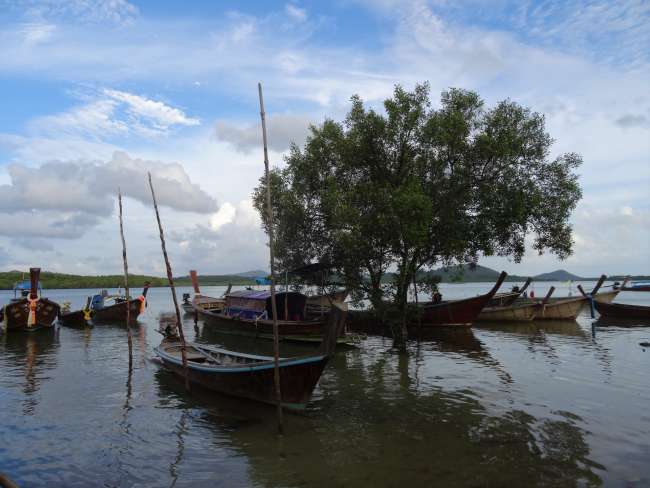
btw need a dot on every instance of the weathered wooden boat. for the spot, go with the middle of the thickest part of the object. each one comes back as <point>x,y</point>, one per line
<point>206,302</point>
<point>76,318</point>
<point>622,310</point>
<point>457,312</point>
<point>508,298</point>
<point>248,312</point>
<point>251,376</point>
<point>31,313</point>
<point>517,312</point>
<point>107,308</point>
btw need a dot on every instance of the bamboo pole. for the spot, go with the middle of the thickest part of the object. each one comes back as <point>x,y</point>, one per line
<point>171,284</point>
<point>126,284</point>
<point>269,213</point>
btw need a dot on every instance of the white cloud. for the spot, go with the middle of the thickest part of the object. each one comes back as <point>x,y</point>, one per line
<point>224,215</point>
<point>93,11</point>
<point>162,116</point>
<point>295,13</point>
<point>283,129</point>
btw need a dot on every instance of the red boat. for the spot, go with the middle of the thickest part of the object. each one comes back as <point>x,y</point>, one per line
<point>31,313</point>
<point>458,312</point>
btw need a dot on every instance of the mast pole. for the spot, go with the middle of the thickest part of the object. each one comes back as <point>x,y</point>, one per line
<point>126,283</point>
<point>170,278</point>
<point>269,214</point>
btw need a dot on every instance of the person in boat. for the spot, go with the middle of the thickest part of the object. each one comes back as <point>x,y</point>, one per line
<point>515,289</point>
<point>436,297</point>
<point>168,327</point>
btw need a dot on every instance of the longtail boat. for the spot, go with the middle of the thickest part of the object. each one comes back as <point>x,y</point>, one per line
<point>622,310</point>
<point>251,376</point>
<point>76,318</point>
<point>508,298</point>
<point>319,304</point>
<point>116,311</point>
<point>569,308</point>
<point>637,286</point>
<point>32,312</point>
<point>206,302</point>
<point>517,312</point>
<point>248,312</point>
<point>457,312</point>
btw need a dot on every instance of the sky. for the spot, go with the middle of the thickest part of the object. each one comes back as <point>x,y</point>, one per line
<point>96,93</point>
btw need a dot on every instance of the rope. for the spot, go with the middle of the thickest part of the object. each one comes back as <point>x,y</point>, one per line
<point>31,317</point>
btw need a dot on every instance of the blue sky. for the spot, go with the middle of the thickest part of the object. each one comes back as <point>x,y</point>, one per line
<point>97,92</point>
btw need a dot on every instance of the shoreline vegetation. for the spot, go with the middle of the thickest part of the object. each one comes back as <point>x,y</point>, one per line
<point>51,280</point>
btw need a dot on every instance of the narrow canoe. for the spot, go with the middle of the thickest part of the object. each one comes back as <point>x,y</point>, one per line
<point>117,312</point>
<point>457,312</point>
<point>251,376</point>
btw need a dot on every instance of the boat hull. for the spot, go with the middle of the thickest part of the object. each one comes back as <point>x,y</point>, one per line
<point>513,313</point>
<point>298,377</point>
<point>622,310</point>
<point>15,315</point>
<point>76,318</point>
<point>117,312</point>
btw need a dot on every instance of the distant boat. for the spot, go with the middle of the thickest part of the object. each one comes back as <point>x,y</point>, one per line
<point>206,302</point>
<point>29,313</point>
<point>637,286</point>
<point>457,312</point>
<point>107,308</point>
<point>251,376</point>
<point>622,310</point>
<point>508,298</point>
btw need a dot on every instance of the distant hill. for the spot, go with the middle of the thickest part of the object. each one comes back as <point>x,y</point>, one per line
<point>252,274</point>
<point>558,275</point>
<point>51,280</point>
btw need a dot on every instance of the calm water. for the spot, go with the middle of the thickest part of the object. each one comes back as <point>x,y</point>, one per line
<point>554,404</point>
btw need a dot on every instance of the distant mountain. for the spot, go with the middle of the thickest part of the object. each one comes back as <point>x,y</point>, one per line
<point>251,274</point>
<point>558,275</point>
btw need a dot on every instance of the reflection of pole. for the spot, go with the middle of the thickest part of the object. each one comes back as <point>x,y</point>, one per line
<point>171,285</point>
<point>286,295</point>
<point>269,215</point>
<point>126,286</point>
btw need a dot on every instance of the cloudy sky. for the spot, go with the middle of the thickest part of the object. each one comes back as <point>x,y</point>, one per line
<point>95,93</point>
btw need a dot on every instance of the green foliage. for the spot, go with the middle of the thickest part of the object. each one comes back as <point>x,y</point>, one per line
<point>413,187</point>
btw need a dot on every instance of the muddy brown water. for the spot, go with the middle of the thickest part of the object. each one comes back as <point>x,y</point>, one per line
<point>541,404</point>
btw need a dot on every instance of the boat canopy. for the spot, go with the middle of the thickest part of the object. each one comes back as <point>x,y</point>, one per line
<point>24,285</point>
<point>256,304</point>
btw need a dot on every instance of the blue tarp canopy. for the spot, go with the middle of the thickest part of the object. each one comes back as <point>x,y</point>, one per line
<point>24,285</point>
<point>261,280</point>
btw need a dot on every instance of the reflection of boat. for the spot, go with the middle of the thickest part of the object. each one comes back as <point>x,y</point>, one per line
<point>622,310</point>
<point>205,302</point>
<point>457,312</point>
<point>105,311</point>
<point>251,376</point>
<point>517,312</point>
<point>32,312</point>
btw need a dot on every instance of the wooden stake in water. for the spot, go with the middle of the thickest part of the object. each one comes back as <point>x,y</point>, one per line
<point>171,285</point>
<point>126,283</point>
<point>274,309</point>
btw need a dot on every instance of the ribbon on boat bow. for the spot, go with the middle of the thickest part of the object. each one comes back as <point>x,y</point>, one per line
<point>31,317</point>
<point>87,314</point>
<point>143,303</point>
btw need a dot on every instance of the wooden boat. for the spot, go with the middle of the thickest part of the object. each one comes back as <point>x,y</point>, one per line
<point>622,310</point>
<point>457,312</point>
<point>205,302</point>
<point>636,286</point>
<point>116,312</point>
<point>518,312</point>
<point>248,312</point>
<point>251,376</point>
<point>508,298</point>
<point>76,318</point>
<point>320,304</point>
<point>31,313</point>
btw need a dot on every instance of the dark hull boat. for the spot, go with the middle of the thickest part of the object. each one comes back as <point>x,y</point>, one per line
<point>31,313</point>
<point>205,302</point>
<point>636,287</point>
<point>622,310</point>
<point>457,312</point>
<point>251,376</point>
<point>248,312</point>
<point>76,318</point>
<point>117,312</point>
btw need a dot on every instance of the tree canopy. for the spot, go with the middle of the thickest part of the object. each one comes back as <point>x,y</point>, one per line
<point>414,186</point>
